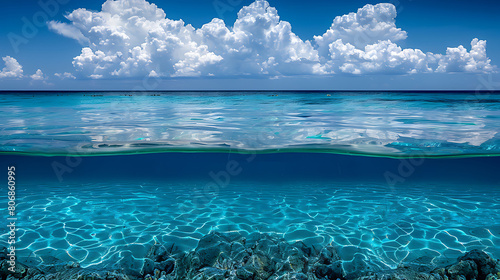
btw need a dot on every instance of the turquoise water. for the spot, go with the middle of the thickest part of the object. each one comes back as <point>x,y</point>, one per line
<point>389,124</point>
<point>387,178</point>
<point>102,224</point>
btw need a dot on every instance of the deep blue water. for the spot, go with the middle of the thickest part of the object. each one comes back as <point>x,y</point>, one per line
<point>385,177</point>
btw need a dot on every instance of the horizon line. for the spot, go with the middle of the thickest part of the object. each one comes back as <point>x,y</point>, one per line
<point>495,91</point>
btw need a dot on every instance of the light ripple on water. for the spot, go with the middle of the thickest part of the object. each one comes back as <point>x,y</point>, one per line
<point>434,124</point>
<point>100,225</point>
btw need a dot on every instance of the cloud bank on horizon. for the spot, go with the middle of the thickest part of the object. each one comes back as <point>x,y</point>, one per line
<point>134,38</point>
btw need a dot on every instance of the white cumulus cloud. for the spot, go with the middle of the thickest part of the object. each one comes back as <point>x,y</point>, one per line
<point>134,38</point>
<point>259,43</point>
<point>12,68</point>
<point>367,26</point>
<point>130,38</point>
<point>381,57</point>
<point>459,60</point>
<point>38,76</point>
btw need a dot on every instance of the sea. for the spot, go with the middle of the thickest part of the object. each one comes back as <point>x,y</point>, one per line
<point>385,177</point>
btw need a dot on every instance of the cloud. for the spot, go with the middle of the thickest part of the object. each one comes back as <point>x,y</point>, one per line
<point>364,43</point>
<point>134,38</point>
<point>459,60</point>
<point>259,43</point>
<point>38,76</point>
<point>367,26</point>
<point>67,30</point>
<point>388,58</point>
<point>65,75</point>
<point>383,56</point>
<point>12,68</point>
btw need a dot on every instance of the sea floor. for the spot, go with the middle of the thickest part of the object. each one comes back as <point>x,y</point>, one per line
<point>98,225</point>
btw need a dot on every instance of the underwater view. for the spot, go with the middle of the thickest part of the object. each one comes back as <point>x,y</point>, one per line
<point>252,185</point>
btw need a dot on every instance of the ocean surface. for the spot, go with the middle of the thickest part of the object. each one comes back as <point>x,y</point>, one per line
<point>385,177</point>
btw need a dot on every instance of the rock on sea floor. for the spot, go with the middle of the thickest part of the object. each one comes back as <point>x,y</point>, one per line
<point>258,256</point>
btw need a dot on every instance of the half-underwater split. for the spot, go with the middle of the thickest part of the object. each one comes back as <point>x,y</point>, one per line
<point>249,140</point>
<point>252,185</point>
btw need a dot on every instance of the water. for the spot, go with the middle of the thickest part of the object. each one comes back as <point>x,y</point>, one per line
<point>387,178</point>
<point>388,124</point>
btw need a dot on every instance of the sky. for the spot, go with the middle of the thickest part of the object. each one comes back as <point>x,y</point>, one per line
<point>249,45</point>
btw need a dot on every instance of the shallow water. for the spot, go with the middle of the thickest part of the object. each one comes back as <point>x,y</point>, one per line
<point>389,124</point>
<point>387,178</point>
<point>100,224</point>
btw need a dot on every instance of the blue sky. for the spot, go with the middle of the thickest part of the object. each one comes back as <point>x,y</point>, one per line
<point>422,30</point>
